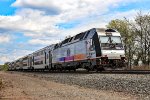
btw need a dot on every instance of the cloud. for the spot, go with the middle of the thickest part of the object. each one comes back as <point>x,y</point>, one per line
<point>71,8</point>
<point>4,59</point>
<point>13,55</point>
<point>42,21</point>
<point>4,39</point>
<point>30,20</point>
<point>41,5</point>
<point>42,42</point>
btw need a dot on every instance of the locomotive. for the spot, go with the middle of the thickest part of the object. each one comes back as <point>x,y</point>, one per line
<point>95,49</point>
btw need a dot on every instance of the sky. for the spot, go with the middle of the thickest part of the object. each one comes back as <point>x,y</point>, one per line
<point>28,25</point>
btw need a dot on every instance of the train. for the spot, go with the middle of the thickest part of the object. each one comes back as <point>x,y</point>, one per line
<point>96,49</point>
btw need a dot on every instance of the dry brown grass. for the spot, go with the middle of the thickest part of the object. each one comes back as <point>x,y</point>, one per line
<point>141,68</point>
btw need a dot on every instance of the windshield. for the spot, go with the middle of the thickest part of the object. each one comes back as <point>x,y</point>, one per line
<point>116,39</point>
<point>111,42</point>
<point>111,39</point>
<point>104,39</point>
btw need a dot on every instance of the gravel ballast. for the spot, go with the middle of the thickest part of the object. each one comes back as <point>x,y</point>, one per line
<point>127,83</point>
<point>23,87</point>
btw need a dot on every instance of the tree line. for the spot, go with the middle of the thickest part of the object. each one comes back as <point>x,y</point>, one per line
<point>136,37</point>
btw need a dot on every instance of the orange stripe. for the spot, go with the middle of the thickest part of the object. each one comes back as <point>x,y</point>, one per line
<point>79,56</point>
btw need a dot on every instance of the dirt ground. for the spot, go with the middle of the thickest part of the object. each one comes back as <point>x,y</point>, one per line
<point>19,87</point>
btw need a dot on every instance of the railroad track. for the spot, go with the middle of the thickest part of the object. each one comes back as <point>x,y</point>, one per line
<point>127,72</point>
<point>94,72</point>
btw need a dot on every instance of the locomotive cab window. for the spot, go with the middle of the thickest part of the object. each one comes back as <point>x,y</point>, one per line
<point>116,39</point>
<point>111,42</point>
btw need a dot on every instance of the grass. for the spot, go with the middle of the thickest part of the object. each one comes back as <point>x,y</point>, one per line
<point>141,67</point>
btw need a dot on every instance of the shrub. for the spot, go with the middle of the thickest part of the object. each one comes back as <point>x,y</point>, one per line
<point>4,67</point>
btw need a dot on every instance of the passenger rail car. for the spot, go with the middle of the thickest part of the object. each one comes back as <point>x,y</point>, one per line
<point>95,49</point>
<point>25,63</point>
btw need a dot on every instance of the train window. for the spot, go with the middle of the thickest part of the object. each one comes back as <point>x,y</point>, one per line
<point>116,39</point>
<point>24,64</point>
<point>41,62</point>
<point>79,36</point>
<point>104,39</point>
<point>65,41</point>
<point>70,39</point>
<point>25,58</point>
<point>38,63</point>
<point>113,39</point>
<point>87,33</point>
<point>83,34</point>
<point>56,46</point>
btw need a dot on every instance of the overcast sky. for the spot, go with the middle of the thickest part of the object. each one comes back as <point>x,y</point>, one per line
<point>28,25</point>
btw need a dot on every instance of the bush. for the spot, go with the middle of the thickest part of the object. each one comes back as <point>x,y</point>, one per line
<point>4,67</point>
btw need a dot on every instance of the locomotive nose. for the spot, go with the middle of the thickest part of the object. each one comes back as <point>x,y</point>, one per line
<point>114,54</point>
